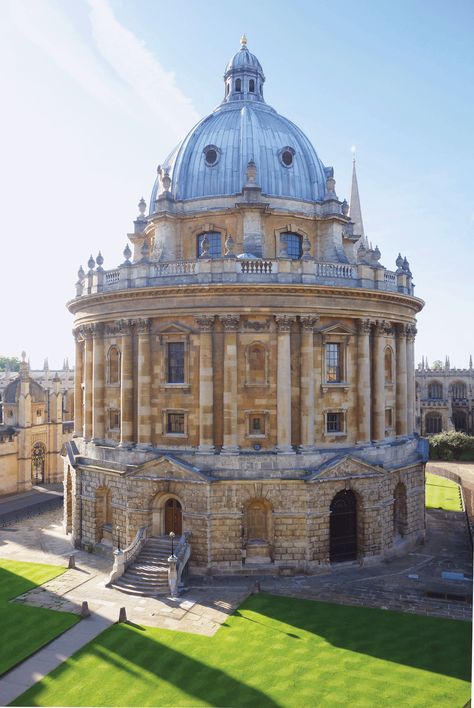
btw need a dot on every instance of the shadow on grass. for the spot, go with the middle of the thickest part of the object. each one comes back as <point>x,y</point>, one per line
<point>430,643</point>
<point>136,656</point>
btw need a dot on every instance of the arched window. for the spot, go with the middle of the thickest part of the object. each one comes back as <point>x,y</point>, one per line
<point>400,510</point>
<point>433,423</point>
<point>256,364</point>
<point>293,245</point>
<point>435,391</point>
<point>252,86</point>
<point>227,89</point>
<point>113,365</point>
<point>238,85</point>
<point>388,361</point>
<point>459,390</point>
<point>38,458</point>
<point>213,244</point>
<point>460,421</point>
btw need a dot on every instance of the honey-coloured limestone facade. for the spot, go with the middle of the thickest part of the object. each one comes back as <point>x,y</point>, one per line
<point>247,373</point>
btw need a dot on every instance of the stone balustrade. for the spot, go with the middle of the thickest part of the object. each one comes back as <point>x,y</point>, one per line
<point>147,273</point>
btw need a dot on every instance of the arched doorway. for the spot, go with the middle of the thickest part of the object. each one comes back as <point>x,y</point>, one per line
<point>38,458</point>
<point>173,517</point>
<point>343,527</point>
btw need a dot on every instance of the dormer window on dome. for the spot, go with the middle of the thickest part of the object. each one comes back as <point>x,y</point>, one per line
<point>211,155</point>
<point>286,156</point>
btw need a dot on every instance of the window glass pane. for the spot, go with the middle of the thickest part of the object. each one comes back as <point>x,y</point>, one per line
<point>176,423</point>
<point>293,242</point>
<point>333,363</point>
<point>334,422</point>
<point>176,362</point>
<point>214,238</point>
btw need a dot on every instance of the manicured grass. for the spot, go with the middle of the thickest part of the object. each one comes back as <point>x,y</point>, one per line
<point>442,493</point>
<point>274,651</point>
<point>25,629</point>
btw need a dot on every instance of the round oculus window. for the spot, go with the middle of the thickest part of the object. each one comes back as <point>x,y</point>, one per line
<point>287,158</point>
<point>211,156</point>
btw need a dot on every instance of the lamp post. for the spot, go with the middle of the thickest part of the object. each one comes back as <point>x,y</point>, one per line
<point>118,538</point>
<point>172,535</point>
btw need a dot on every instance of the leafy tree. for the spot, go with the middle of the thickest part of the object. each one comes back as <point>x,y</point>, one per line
<point>451,445</point>
<point>11,362</point>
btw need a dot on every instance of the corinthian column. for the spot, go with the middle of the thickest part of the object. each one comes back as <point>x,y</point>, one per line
<point>284,383</point>
<point>144,383</point>
<point>231,325</point>
<point>378,399</point>
<point>307,381</point>
<point>126,384</point>
<point>206,383</point>
<point>363,380</point>
<point>86,333</point>
<point>98,429</point>
<point>78,379</point>
<point>411,334</point>
<point>401,390</point>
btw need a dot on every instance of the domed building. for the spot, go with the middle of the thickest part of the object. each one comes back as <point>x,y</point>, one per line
<point>247,373</point>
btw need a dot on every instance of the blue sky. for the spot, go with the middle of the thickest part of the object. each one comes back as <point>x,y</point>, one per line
<point>98,92</point>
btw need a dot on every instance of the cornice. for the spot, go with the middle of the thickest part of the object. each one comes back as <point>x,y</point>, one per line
<point>247,289</point>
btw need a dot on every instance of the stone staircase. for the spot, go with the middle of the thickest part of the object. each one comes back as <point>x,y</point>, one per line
<point>148,574</point>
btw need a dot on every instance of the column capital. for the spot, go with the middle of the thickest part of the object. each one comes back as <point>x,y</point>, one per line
<point>124,326</point>
<point>284,322</point>
<point>77,334</point>
<point>308,322</point>
<point>205,322</point>
<point>143,325</point>
<point>364,326</point>
<point>86,331</point>
<point>230,322</point>
<point>411,332</point>
<point>114,328</point>
<point>380,327</point>
<point>97,329</point>
<point>401,329</point>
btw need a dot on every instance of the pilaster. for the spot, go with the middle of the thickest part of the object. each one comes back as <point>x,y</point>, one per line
<point>78,381</point>
<point>411,334</point>
<point>401,381</point>
<point>142,327</point>
<point>307,398</point>
<point>378,398</point>
<point>206,383</point>
<point>98,429</point>
<point>363,380</point>
<point>284,323</point>
<point>231,325</point>
<point>126,384</point>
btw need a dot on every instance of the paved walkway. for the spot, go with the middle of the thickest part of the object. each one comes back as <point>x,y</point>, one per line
<point>26,674</point>
<point>36,501</point>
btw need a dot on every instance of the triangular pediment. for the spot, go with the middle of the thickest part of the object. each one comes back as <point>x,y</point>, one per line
<point>175,328</point>
<point>337,328</point>
<point>345,468</point>
<point>168,467</point>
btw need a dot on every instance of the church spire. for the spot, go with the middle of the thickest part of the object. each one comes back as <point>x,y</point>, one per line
<point>355,211</point>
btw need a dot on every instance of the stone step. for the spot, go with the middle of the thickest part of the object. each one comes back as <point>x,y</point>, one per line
<point>141,593</point>
<point>141,585</point>
<point>151,577</point>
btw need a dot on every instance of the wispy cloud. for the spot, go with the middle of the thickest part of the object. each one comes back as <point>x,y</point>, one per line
<point>140,70</point>
<point>47,25</point>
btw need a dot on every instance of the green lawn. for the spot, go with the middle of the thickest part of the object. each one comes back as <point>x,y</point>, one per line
<point>274,651</point>
<point>25,629</point>
<point>442,493</point>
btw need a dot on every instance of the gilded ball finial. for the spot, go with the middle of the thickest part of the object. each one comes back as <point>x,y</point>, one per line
<point>243,41</point>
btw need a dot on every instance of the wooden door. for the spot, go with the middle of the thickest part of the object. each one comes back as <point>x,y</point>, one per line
<point>343,527</point>
<point>173,517</point>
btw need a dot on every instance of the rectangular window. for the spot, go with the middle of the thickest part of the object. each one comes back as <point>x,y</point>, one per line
<point>175,423</point>
<point>114,420</point>
<point>175,362</point>
<point>333,363</point>
<point>335,423</point>
<point>257,425</point>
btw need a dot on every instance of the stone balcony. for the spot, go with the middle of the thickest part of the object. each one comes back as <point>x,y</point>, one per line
<point>149,273</point>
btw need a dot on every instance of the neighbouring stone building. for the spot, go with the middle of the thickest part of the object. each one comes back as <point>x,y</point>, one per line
<point>33,431</point>
<point>444,398</point>
<point>247,373</point>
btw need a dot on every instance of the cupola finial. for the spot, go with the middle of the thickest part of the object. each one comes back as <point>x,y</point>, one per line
<point>243,41</point>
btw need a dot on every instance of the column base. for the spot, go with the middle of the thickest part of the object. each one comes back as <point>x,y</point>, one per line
<point>205,450</point>
<point>230,450</point>
<point>145,446</point>
<point>285,450</point>
<point>306,448</point>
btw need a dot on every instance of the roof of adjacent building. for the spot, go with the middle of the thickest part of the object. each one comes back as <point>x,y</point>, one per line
<point>243,129</point>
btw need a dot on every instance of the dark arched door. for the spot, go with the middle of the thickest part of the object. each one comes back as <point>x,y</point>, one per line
<point>173,517</point>
<point>343,527</point>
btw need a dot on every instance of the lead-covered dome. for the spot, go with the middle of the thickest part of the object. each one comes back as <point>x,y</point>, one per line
<point>212,160</point>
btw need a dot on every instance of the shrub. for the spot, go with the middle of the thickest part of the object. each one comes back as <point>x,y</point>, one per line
<point>451,445</point>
